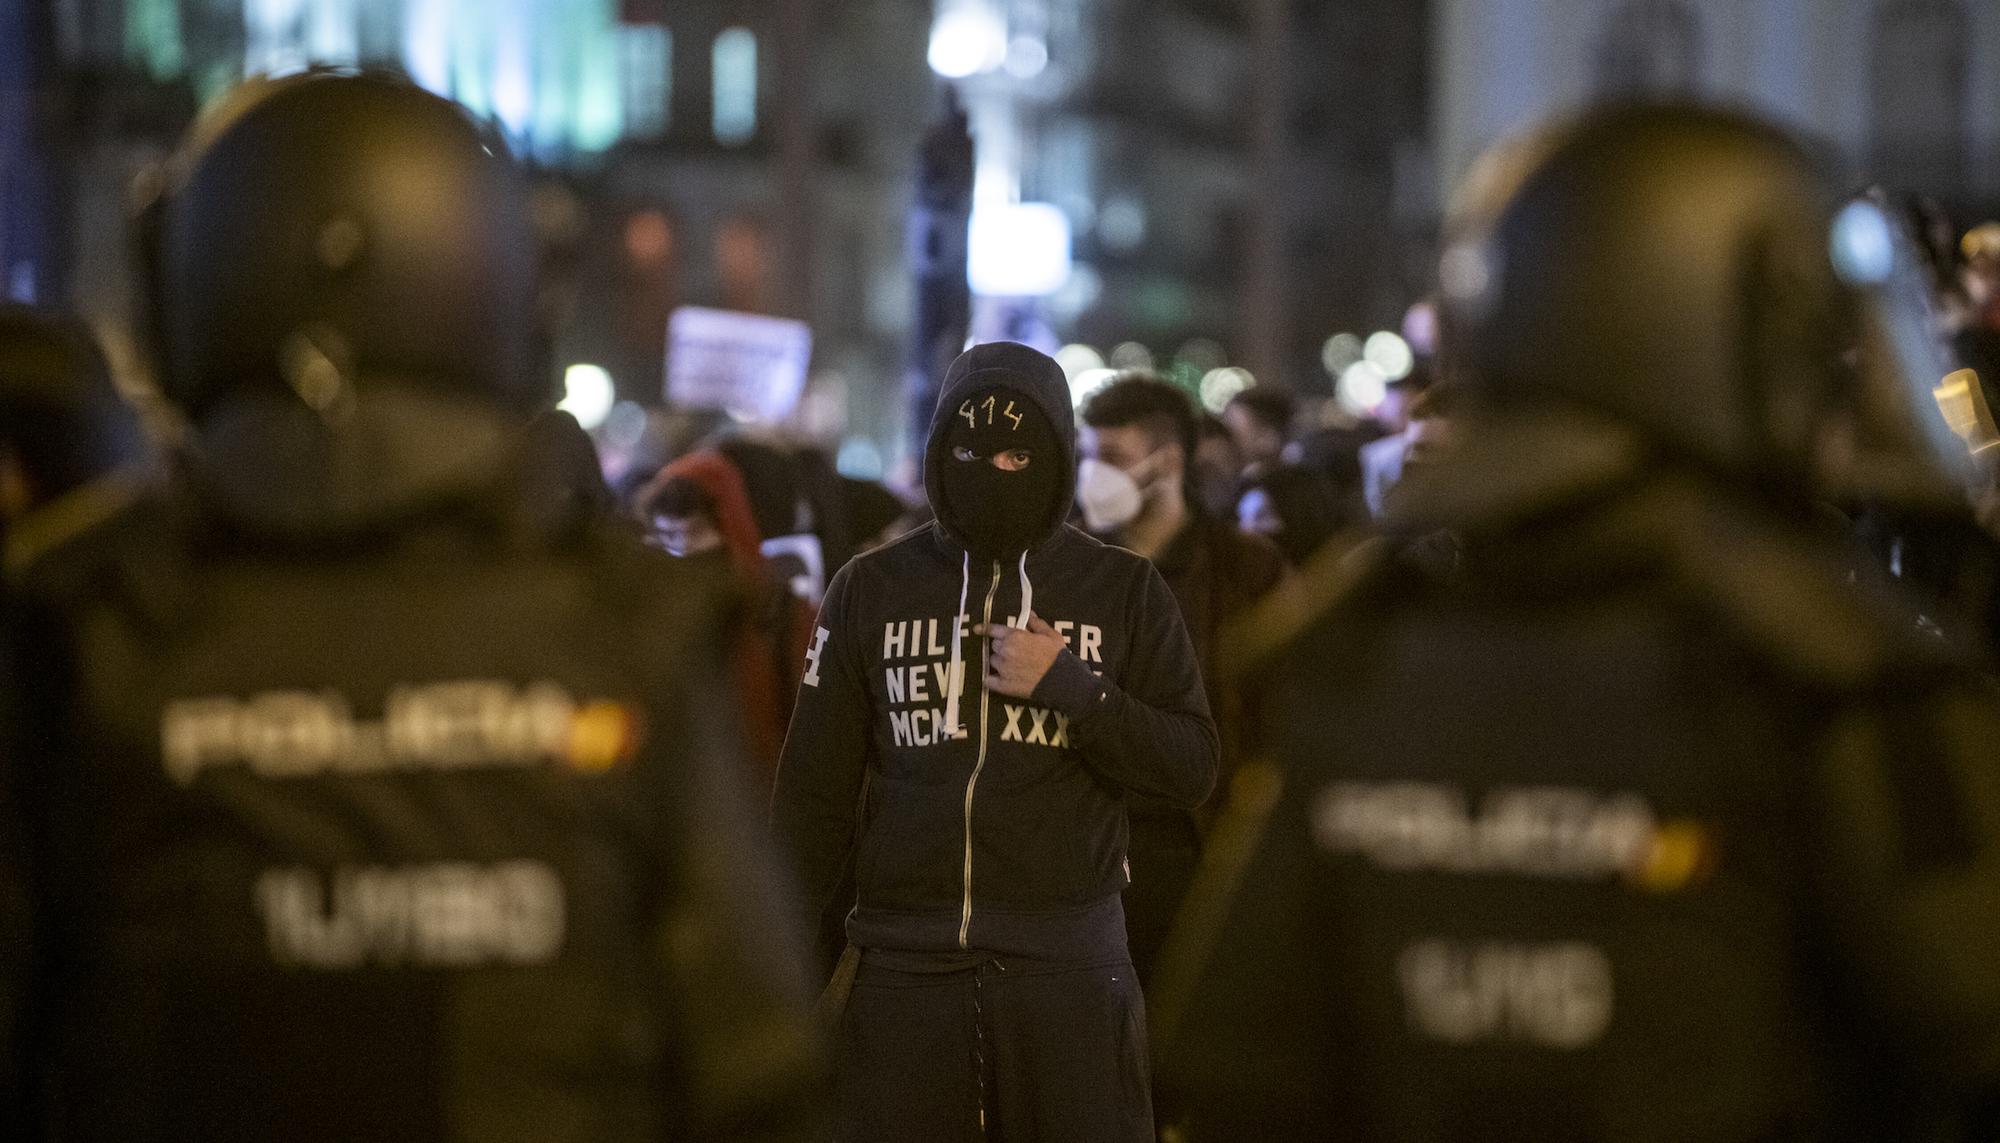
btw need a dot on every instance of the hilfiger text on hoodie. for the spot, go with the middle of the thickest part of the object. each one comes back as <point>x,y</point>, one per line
<point>918,676</point>
<point>967,838</point>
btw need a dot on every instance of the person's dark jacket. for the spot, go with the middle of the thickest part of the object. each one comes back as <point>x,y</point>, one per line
<point>347,798</point>
<point>1217,573</point>
<point>1010,839</point>
<point>1645,826</point>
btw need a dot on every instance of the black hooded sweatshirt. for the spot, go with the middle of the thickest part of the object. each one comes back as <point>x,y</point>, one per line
<point>1010,838</point>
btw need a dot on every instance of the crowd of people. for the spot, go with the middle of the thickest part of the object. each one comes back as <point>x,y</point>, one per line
<point>1599,742</point>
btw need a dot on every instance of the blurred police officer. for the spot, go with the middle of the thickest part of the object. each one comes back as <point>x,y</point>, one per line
<point>358,795</point>
<point>1645,825</point>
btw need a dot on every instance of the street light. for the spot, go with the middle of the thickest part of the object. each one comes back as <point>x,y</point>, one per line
<point>588,394</point>
<point>967,39</point>
<point>1018,250</point>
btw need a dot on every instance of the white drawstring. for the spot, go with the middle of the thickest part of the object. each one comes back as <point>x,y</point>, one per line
<point>1027,595</point>
<point>955,673</point>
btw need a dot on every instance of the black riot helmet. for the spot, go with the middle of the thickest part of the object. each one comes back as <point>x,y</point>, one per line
<point>1671,269</point>
<point>330,231</point>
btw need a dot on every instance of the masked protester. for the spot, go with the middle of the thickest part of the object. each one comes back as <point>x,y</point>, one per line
<point>1297,508</point>
<point>1132,487</point>
<point>353,794</point>
<point>1646,824</point>
<point>703,515</point>
<point>980,700</point>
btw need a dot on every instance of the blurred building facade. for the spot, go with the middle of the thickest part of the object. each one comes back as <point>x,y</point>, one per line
<point>1249,175</point>
<point>758,154</point>
<point>751,154</point>
<point>1905,92</point>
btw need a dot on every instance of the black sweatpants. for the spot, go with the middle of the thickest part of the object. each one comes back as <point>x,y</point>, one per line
<point>1002,1052</point>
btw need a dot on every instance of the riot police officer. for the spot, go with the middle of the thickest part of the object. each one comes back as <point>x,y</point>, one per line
<point>357,794</point>
<point>1643,823</point>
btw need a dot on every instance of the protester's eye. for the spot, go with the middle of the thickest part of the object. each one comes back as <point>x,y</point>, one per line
<point>1013,460</point>
<point>963,453</point>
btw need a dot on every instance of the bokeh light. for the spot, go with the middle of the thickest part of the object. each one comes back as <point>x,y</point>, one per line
<point>966,40</point>
<point>1131,355</point>
<point>1361,388</point>
<point>1340,351</point>
<point>1389,353</point>
<point>1202,354</point>
<point>1078,358</point>
<point>1219,385</point>
<point>588,394</point>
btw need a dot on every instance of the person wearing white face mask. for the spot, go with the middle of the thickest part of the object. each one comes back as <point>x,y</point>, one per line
<point>1137,442</point>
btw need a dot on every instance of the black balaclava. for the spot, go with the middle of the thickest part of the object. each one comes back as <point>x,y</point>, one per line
<point>999,513</point>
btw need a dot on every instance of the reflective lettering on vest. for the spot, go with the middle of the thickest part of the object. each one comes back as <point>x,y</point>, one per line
<point>1553,832</point>
<point>443,915</point>
<point>1548,995</point>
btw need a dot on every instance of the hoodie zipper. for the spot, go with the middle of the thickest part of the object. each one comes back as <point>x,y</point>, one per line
<point>965,908</point>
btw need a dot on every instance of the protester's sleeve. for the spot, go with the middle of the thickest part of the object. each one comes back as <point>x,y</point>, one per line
<point>820,774</point>
<point>734,955</point>
<point>1905,825</point>
<point>1151,731</point>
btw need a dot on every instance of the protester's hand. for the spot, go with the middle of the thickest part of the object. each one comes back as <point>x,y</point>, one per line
<point>1018,658</point>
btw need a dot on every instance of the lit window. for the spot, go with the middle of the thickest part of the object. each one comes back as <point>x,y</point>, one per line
<point>287,35</point>
<point>332,32</point>
<point>647,65</point>
<point>427,43</point>
<point>153,37</point>
<point>735,65</point>
<point>274,36</point>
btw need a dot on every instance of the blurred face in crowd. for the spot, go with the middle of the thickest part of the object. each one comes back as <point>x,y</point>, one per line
<point>1256,514</point>
<point>688,535</point>
<point>1258,442</point>
<point>1394,412</point>
<point>1155,465</point>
